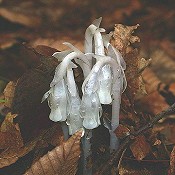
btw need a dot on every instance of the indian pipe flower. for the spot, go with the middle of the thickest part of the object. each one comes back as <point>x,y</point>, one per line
<point>74,120</point>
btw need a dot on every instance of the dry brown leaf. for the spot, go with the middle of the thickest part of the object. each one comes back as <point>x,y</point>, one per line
<point>151,80</point>
<point>63,160</point>
<point>122,37</point>
<point>169,47</point>
<point>124,170</point>
<point>27,100</point>
<point>168,130</point>
<point>136,87</point>
<point>172,161</point>
<point>11,142</point>
<point>10,156</point>
<point>163,66</point>
<point>7,42</point>
<point>140,148</point>
<point>123,9</point>
<point>9,93</point>
<point>172,88</point>
<point>57,42</point>
<point>16,17</point>
<point>45,50</point>
<point>122,131</point>
<point>153,103</point>
<point>10,136</point>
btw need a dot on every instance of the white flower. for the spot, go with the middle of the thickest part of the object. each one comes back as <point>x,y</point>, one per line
<point>91,110</point>
<point>74,120</point>
<point>58,102</point>
<point>105,85</point>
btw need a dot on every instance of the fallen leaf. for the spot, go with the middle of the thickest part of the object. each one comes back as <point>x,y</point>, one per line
<point>9,93</point>
<point>122,131</point>
<point>122,37</point>
<point>169,47</point>
<point>151,81</point>
<point>63,160</point>
<point>172,161</point>
<point>16,17</point>
<point>56,42</point>
<point>45,50</point>
<point>136,88</point>
<point>7,42</point>
<point>123,9</point>
<point>153,103</point>
<point>163,66</point>
<point>10,136</point>
<point>140,148</point>
<point>10,156</point>
<point>167,129</point>
<point>27,100</point>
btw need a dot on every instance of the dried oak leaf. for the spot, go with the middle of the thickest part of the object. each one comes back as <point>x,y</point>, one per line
<point>121,39</point>
<point>63,160</point>
<point>172,161</point>
<point>9,93</point>
<point>136,87</point>
<point>140,148</point>
<point>10,136</point>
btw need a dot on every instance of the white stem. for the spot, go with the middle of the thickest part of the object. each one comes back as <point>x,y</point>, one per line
<point>115,113</point>
<point>60,71</point>
<point>89,34</point>
<point>99,47</point>
<point>102,60</point>
<point>65,130</point>
<point>86,142</point>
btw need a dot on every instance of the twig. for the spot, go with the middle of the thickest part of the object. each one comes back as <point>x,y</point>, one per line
<point>116,156</point>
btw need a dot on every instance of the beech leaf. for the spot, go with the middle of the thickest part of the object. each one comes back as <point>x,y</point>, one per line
<point>63,160</point>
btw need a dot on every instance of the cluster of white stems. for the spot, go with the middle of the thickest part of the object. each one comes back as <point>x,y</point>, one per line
<point>104,81</point>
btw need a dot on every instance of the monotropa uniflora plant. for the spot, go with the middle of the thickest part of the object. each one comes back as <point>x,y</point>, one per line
<point>104,81</point>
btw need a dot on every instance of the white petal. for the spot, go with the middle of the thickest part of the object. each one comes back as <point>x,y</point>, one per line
<point>105,85</point>
<point>61,55</point>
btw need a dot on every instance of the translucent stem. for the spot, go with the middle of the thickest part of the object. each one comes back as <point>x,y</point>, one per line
<point>65,130</point>
<point>115,114</point>
<point>86,142</point>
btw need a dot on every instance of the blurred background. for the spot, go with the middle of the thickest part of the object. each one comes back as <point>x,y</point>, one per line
<point>52,22</point>
<point>24,24</point>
